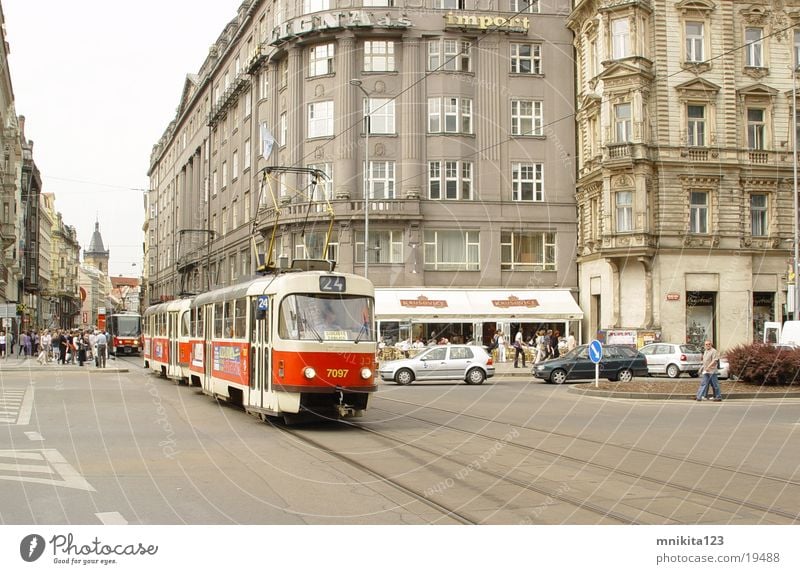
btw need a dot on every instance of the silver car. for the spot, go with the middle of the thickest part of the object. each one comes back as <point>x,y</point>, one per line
<point>672,359</point>
<point>468,363</point>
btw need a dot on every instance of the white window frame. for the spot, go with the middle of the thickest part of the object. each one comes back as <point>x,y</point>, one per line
<point>381,115</point>
<point>235,165</point>
<point>224,174</point>
<point>696,126</point>
<point>526,118</point>
<point>234,214</point>
<point>311,6</point>
<point>437,260</point>
<point>450,180</point>
<point>379,56</point>
<point>524,6</point>
<point>754,47</point>
<point>320,119</point>
<point>510,250</point>
<point>450,55</point>
<point>321,60</point>
<point>526,175</point>
<point>246,207</point>
<point>391,254</point>
<point>623,201</point>
<point>458,111</point>
<point>623,122</point>
<point>324,189</point>
<point>380,174</point>
<point>756,129</point>
<point>695,42</point>
<point>283,130</point>
<point>247,155</point>
<point>620,38</point>
<point>698,212</point>
<point>759,215</point>
<point>533,59</point>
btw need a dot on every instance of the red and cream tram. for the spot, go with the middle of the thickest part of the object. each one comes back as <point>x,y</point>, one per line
<point>286,344</point>
<point>167,345</point>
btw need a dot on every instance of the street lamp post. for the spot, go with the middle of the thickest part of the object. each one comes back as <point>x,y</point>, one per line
<point>368,124</point>
<point>796,291</point>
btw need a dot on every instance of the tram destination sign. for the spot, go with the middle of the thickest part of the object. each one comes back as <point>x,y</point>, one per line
<point>332,284</point>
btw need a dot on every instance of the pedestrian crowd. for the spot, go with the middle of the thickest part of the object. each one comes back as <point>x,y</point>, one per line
<point>62,346</point>
<point>542,345</point>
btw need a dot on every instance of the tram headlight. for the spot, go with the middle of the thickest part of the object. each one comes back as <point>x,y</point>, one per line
<point>366,373</point>
<point>309,372</point>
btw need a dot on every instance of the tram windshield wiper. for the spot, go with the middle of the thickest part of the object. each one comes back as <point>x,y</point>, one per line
<point>364,329</point>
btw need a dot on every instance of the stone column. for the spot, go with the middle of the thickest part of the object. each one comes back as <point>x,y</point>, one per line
<point>346,170</point>
<point>296,113</point>
<point>413,115</point>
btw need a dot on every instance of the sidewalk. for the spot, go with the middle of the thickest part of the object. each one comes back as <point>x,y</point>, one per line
<point>30,364</point>
<point>507,369</point>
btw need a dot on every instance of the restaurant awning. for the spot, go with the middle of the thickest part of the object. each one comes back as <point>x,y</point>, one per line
<point>409,304</point>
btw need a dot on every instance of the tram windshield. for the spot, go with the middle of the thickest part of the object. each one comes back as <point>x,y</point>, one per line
<point>127,325</point>
<point>321,317</point>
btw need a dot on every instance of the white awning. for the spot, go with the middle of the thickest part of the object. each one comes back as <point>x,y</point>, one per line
<point>410,304</point>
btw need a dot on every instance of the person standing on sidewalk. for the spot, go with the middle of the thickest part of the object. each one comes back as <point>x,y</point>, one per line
<point>2,344</point>
<point>519,349</point>
<point>709,372</point>
<point>100,342</point>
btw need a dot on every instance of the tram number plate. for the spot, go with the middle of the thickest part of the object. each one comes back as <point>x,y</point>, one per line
<point>331,284</point>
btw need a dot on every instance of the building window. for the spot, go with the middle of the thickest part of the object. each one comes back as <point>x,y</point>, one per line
<point>324,187</point>
<point>224,174</point>
<point>379,3</point>
<point>758,215</point>
<point>696,125</point>
<point>450,180</point>
<point>796,49</point>
<point>246,201</point>
<point>527,251</point>
<point>320,119</point>
<point>450,55</point>
<point>381,115</point>
<point>450,115</point>
<point>460,4</point>
<point>235,214</point>
<point>698,212</point>
<point>310,6</point>
<point>320,60</point>
<point>517,6</point>
<point>264,85</point>
<point>526,58</point>
<point>526,118</point>
<point>311,245</point>
<point>247,154</point>
<point>224,220</point>
<point>622,122</point>
<point>756,128</point>
<point>379,56</point>
<point>624,200</point>
<point>620,38</point>
<point>754,47</point>
<point>384,246</point>
<point>248,104</point>
<point>214,224</point>
<point>283,129</point>
<point>452,250</point>
<point>214,183</point>
<point>695,41</point>
<point>235,164</point>
<point>381,180</point>
<point>527,182</point>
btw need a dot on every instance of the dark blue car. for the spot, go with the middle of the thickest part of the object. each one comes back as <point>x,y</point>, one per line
<point>619,363</point>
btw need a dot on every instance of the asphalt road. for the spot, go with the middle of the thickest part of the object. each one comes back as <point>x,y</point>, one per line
<point>83,448</point>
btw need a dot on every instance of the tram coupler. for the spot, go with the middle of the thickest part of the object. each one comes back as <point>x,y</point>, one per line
<point>347,410</point>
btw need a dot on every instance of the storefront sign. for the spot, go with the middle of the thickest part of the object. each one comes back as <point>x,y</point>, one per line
<point>423,301</point>
<point>518,24</point>
<point>621,337</point>
<point>514,301</point>
<point>673,296</point>
<point>698,298</point>
<point>334,21</point>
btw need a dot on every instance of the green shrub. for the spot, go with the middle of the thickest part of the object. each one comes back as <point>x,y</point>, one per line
<point>764,364</point>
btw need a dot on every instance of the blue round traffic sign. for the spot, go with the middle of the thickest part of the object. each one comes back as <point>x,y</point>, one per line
<point>595,351</point>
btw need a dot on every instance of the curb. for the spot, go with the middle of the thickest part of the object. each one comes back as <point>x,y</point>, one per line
<point>43,369</point>
<point>664,396</point>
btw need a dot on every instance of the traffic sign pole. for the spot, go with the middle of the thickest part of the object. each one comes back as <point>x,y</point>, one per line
<point>596,355</point>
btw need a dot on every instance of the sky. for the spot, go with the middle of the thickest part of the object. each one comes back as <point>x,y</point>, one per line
<point>98,83</point>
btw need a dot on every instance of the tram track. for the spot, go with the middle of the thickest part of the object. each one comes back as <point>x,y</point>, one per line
<point>715,496</point>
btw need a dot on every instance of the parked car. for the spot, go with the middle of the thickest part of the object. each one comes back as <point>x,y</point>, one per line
<point>723,371</point>
<point>469,363</point>
<point>619,363</point>
<point>672,359</point>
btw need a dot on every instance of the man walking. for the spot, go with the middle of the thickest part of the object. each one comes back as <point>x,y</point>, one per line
<point>709,371</point>
<point>519,349</point>
<point>100,342</point>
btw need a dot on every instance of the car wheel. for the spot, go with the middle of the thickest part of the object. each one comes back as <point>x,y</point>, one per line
<point>626,375</point>
<point>404,377</point>
<point>673,372</point>
<point>693,373</point>
<point>475,377</point>
<point>558,377</point>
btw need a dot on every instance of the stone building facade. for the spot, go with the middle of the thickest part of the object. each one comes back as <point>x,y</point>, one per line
<point>469,160</point>
<point>685,165</point>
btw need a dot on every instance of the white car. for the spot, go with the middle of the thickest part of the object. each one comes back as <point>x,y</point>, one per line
<point>468,363</point>
<point>672,359</point>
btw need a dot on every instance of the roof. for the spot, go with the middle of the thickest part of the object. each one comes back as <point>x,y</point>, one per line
<point>124,282</point>
<point>96,244</point>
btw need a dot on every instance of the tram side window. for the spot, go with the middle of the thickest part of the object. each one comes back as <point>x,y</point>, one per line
<point>228,332</point>
<point>185,326</point>
<point>240,320</point>
<point>218,320</point>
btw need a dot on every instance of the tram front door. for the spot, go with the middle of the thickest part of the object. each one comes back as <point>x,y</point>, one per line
<point>261,353</point>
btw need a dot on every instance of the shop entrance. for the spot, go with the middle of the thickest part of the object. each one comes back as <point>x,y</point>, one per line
<point>700,313</point>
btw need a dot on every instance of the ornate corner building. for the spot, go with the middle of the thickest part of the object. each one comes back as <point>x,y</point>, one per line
<point>467,159</point>
<point>685,165</point>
